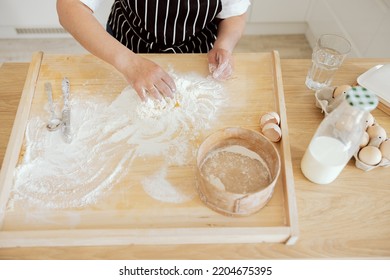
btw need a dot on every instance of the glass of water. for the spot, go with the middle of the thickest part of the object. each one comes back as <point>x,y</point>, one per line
<point>328,55</point>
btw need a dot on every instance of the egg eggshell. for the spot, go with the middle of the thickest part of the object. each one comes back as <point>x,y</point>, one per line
<point>341,90</point>
<point>270,117</point>
<point>272,131</point>
<point>385,149</point>
<point>377,131</point>
<point>370,155</point>
<point>365,140</point>
<point>376,141</point>
<point>370,120</point>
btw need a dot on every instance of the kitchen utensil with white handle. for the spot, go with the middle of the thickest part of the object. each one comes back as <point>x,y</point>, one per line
<point>66,112</point>
<point>54,122</point>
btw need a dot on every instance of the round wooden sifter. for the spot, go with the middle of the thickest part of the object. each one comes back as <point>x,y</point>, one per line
<point>237,170</point>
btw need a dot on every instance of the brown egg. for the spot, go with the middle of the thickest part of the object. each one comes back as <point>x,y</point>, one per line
<point>341,90</point>
<point>385,149</point>
<point>376,131</point>
<point>270,117</point>
<point>370,155</point>
<point>272,131</point>
<point>376,141</point>
<point>365,140</point>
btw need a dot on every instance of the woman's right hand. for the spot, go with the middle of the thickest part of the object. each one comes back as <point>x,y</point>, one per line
<point>147,78</point>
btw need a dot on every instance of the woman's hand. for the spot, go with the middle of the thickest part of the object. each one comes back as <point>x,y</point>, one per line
<point>220,57</point>
<point>220,63</point>
<point>146,77</point>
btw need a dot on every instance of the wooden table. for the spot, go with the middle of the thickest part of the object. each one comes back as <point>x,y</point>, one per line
<point>349,218</point>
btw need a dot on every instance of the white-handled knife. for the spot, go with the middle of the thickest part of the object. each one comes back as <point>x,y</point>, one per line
<point>65,128</point>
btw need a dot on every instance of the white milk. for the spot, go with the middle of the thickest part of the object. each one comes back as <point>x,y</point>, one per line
<point>324,159</point>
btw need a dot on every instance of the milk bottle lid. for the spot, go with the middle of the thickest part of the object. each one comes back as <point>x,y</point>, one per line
<point>361,98</point>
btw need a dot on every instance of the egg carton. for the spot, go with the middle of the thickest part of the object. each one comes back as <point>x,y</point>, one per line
<point>361,165</point>
<point>327,99</point>
<point>377,150</point>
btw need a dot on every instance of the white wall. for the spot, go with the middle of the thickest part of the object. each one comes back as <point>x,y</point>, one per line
<point>278,17</point>
<point>36,14</point>
<point>265,16</point>
<point>22,12</point>
<point>366,23</point>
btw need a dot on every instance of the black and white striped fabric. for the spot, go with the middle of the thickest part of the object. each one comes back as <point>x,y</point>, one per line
<point>165,26</point>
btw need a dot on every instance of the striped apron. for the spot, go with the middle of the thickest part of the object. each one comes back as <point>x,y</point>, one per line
<point>165,26</point>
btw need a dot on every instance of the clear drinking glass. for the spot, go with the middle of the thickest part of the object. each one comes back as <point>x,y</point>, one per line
<point>328,55</point>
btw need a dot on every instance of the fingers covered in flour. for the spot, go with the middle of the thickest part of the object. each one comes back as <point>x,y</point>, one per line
<point>220,64</point>
<point>148,79</point>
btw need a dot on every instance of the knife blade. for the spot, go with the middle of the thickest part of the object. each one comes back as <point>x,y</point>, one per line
<point>66,112</point>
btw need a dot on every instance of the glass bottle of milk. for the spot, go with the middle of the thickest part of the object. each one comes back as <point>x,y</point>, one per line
<point>338,137</point>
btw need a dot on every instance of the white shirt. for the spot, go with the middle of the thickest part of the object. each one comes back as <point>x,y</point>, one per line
<point>230,8</point>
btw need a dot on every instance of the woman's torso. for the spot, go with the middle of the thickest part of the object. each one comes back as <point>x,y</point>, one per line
<point>165,25</point>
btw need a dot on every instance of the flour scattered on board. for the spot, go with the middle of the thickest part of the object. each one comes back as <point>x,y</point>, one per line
<point>159,188</point>
<point>54,174</point>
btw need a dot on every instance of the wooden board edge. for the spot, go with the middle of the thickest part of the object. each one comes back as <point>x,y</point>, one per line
<point>17,134</point>
<point>161,236</point>
<point>286,153</point>
<point>384,108</point>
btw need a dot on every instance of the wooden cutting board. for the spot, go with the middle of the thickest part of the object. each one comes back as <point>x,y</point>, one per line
<point>128,215</point>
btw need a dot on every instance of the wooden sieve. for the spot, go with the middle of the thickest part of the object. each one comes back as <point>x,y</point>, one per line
<point>237,170</point>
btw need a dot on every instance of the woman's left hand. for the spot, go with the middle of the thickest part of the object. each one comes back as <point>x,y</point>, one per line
<point>220,63</point>
<point>220,57</point>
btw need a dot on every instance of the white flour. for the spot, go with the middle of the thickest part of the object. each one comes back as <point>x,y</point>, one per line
<point>159,188</point>
<point>236,169</point>
<point>54,174</point>
<point>237,149</point>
